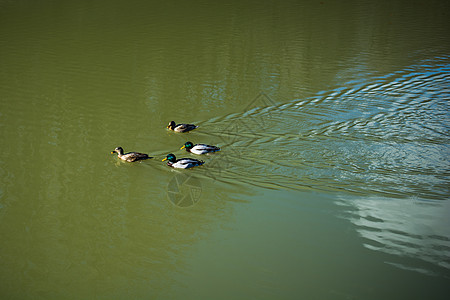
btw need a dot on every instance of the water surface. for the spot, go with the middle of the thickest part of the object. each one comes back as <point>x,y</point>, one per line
<point>332,182</point>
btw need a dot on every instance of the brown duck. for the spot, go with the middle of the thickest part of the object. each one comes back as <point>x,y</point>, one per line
<point>130,156</point>
<point>181,127</point>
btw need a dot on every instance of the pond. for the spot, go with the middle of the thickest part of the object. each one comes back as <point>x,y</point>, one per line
<point>333,177</point>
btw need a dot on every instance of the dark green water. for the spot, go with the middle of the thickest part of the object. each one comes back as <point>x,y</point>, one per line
<point>332,182</point>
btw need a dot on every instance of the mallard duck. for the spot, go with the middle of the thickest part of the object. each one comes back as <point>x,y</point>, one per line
<point>182,163</point>
<point>199,148</point>
<point>181,127</point>
<point>130,156</point>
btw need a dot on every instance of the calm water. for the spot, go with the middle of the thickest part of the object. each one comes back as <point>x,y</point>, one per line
<point>332,182</point>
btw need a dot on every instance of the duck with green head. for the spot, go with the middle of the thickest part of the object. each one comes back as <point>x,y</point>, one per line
<point>182,163</point>
<point>199,148</point>
<point>130,156</point>
<point>181,127</point>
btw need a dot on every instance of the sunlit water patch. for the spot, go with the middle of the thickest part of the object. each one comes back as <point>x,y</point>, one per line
<point>385,136</point>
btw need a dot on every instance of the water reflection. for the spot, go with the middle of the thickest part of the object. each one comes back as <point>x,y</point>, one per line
<point>414,231</point>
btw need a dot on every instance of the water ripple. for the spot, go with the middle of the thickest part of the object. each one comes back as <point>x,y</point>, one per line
<point>387,135</point>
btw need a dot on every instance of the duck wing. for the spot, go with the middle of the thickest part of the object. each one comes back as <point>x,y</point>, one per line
<point>185,127</point>
<point>185,163</point>
<point>133,156</point>
<point>202,148</point>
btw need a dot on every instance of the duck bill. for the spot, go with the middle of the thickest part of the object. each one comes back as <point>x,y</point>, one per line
<point>182,147</point>
<point>164,159</point>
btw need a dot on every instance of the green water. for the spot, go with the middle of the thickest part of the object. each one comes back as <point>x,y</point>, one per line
<point>332,181</point>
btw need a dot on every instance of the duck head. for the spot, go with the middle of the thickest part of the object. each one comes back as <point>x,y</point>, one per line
<point>187,145</point>
<point>171,125</point>
<point>170,157</point>
<point>118,150</point>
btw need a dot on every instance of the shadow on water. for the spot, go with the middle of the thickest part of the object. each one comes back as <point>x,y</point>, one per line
<point>79,236</point>
<point>387,136</point>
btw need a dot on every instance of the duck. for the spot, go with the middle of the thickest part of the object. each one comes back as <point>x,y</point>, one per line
<point>199,148</point>
<point>182,163</point>
<point>181,127</point>
<point>130,156</point>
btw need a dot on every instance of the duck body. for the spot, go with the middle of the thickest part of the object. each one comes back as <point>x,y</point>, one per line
<point>181,127</point>
<point>130,156</point>
<point>199,148</point>
<point>182,163</point>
